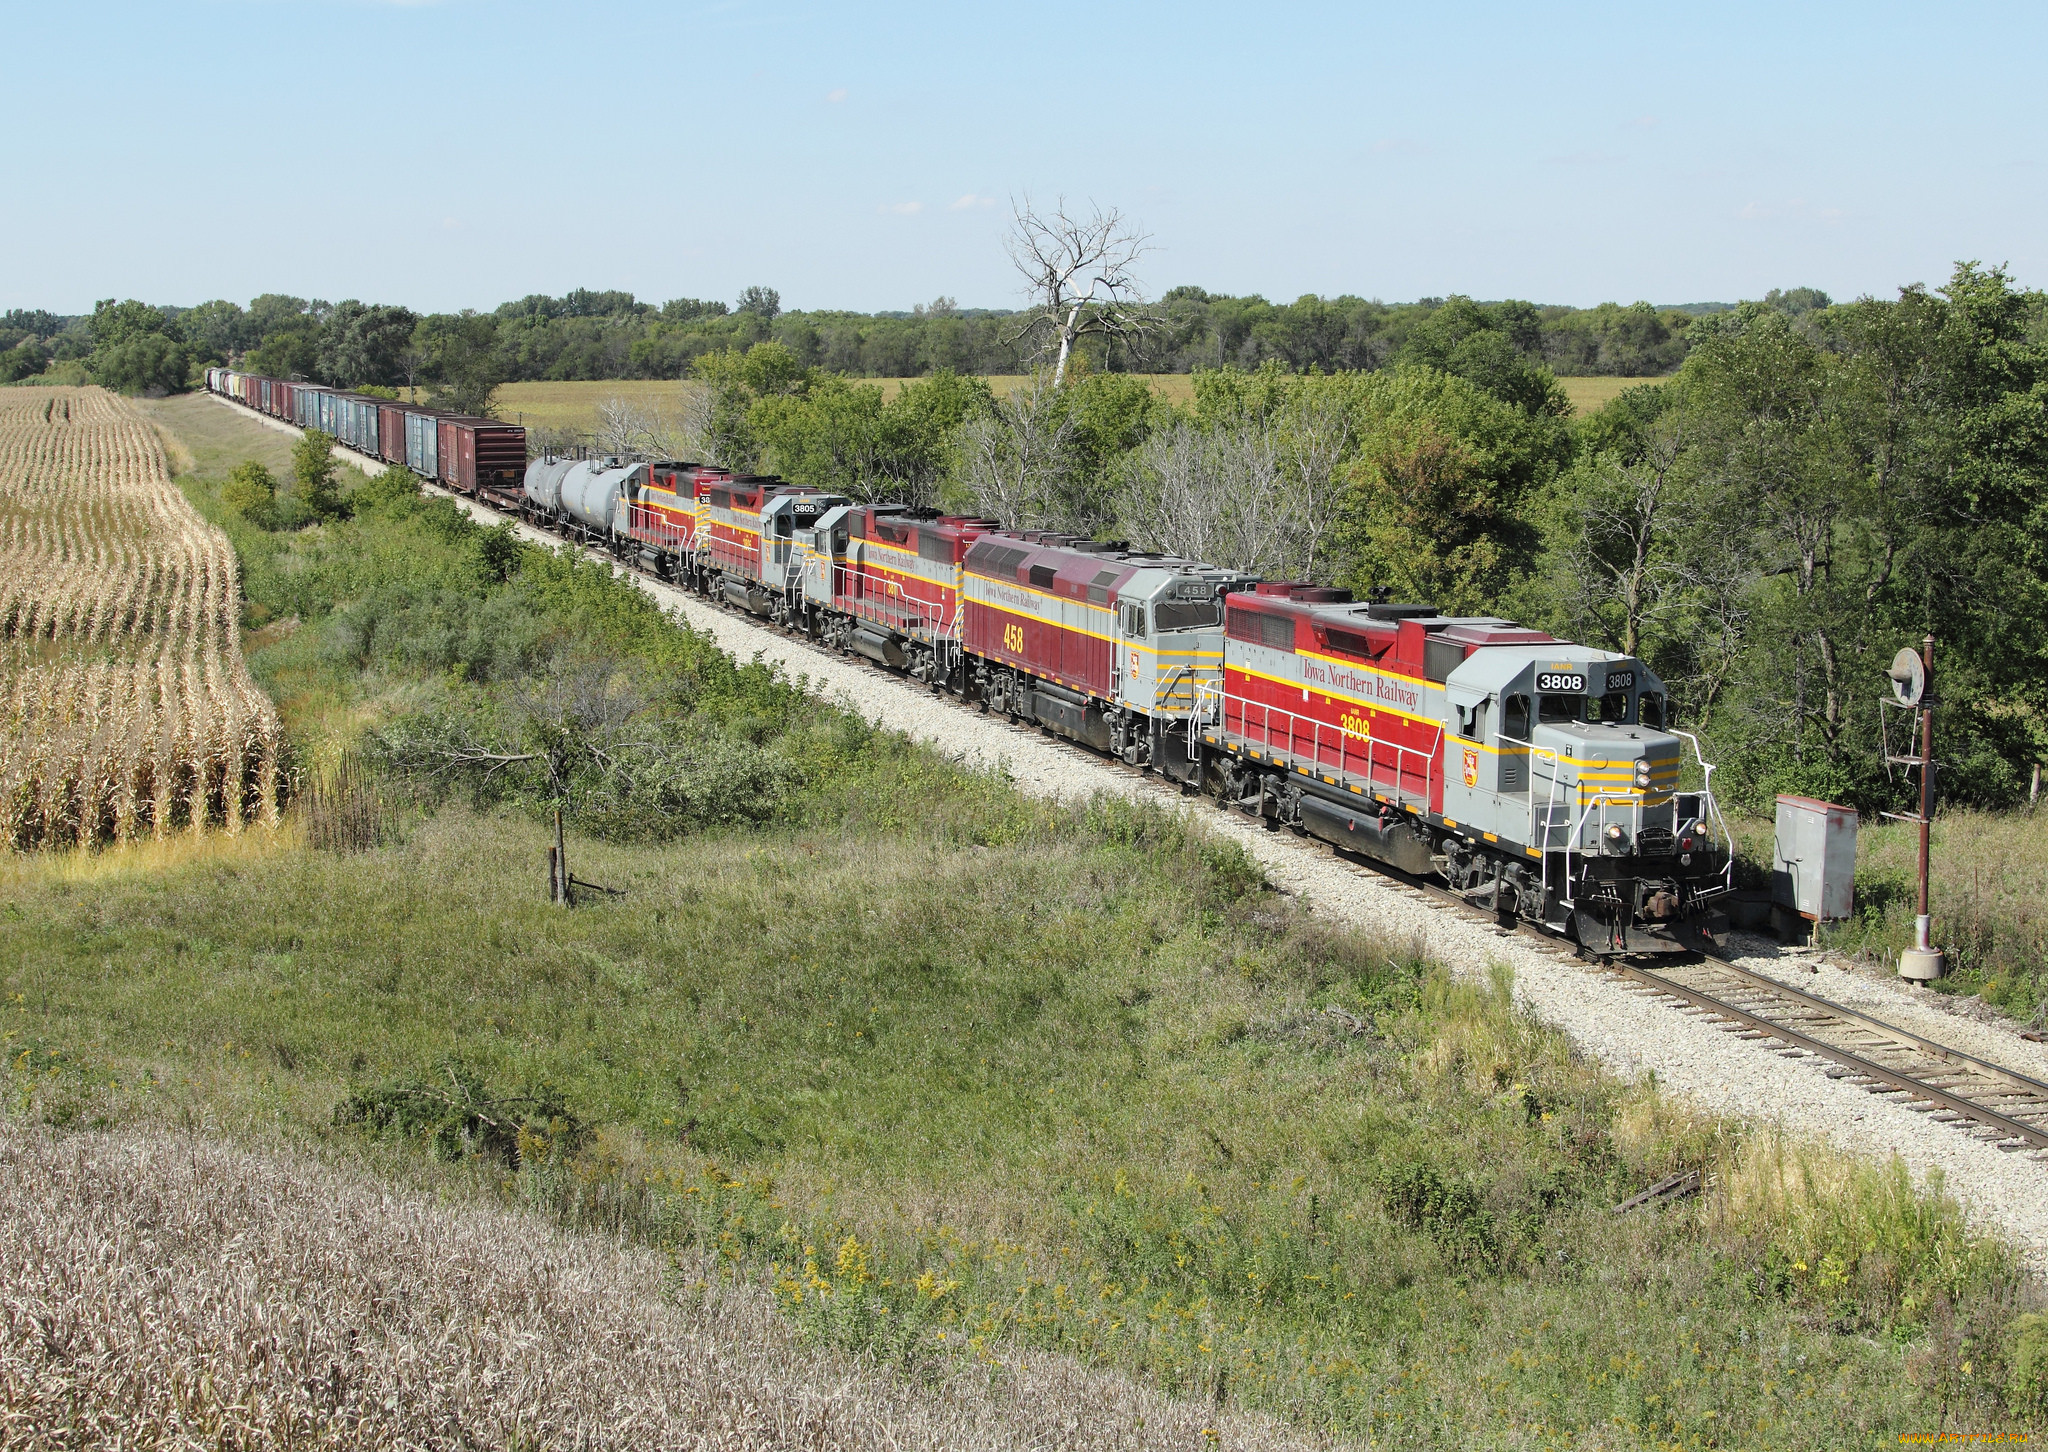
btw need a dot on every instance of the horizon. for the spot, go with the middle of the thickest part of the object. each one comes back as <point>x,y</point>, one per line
<point>450,155</point>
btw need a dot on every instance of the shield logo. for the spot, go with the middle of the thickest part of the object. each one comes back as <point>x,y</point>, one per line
<point>1471,768</point>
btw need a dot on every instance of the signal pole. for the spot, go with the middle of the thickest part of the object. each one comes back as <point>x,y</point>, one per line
<point>1923,962</point>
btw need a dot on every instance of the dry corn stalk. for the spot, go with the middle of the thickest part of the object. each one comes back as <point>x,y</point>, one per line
<point>125,707</point>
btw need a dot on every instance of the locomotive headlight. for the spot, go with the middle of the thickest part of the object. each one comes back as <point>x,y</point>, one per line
<point>1615,839</point>
<point>1642,776</point>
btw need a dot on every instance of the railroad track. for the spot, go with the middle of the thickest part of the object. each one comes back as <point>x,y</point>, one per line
<point>1994,1104</point>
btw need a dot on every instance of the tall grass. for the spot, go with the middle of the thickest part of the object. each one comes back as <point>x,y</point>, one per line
<point>1074,1091</point>
<point>1989,894</point>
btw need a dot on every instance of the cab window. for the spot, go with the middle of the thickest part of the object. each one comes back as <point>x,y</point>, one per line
<point>1560,709</point>
<point>1651,707</point>
<point>1613,709</point>
<point>1514,721</point>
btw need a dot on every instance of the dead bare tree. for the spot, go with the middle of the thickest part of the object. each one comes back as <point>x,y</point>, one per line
<point>1079,274</point>
<point>1018,458</point>
<point>631,429</point>
<point>1315,436</point>
<point>1213,495</point>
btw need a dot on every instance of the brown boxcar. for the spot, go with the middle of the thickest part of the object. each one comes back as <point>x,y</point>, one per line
<point>482,456</point>
<point>391,431</point>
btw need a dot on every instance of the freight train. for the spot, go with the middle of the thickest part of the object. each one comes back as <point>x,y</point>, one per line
<point>1534,777</point>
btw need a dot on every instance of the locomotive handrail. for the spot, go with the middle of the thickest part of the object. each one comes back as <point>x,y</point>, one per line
<point>1709,802</point>
<point>1432,757</point>
<point>1635,804</point>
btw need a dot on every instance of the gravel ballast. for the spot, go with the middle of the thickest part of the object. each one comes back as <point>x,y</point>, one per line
<point>1631,1034</point>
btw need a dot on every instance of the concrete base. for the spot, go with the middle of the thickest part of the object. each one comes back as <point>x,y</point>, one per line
<point>1922,965</point>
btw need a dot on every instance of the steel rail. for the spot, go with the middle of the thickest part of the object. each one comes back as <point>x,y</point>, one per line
<point>2007,1127</point>
<point>1856,1017</point>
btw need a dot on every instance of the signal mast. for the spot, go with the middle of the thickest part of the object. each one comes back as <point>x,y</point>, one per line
<point>1912,678</point>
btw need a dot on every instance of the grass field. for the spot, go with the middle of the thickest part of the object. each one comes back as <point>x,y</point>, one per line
<point>575,405</point>
<point>1588,395</point>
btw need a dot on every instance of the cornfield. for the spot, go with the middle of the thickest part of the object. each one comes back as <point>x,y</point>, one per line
<point>126,710</point>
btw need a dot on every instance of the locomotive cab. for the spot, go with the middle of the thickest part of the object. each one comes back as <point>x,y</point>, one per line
<point>1564,751</point>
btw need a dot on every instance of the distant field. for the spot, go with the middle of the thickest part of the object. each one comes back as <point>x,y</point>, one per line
<point>575,405</point>
<point>1588,394</point>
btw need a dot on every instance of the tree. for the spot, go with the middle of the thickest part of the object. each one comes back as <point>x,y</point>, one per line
<point>461,358</point>
<point>632,429</point>
<point>116,323</point>
<point>134,350</point>
<point>292,353</point>
<point>764,303</point>
<point>1080,278</point>
<point>141,363</point>
<point>1442,472</point>
<point>1211,494</point>
<point>360,345</point>
<point>1017,459</point>
<point>313,467</point>
<point>570,731</point>
<point>24,360</point>
<point>214,331</point>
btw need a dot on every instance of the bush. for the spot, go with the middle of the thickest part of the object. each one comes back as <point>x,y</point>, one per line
<point>251,493</point>
<point>313,466</point>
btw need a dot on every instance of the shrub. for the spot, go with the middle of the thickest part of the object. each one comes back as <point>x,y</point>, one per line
<point>2026,1357</point>
<point>313,467</point>
<point>251,493</point>
<point>453,1113</point>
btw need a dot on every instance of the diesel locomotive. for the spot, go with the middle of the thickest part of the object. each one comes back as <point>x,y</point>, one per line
<point>1535,777</point>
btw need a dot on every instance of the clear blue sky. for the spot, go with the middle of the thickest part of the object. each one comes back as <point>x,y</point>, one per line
<point>460,153</point>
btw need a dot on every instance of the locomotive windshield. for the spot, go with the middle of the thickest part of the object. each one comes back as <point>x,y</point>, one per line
<point>1187,614</point>
<point>1611,709</point>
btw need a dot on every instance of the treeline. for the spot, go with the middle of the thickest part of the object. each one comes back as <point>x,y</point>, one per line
<point>1813,489</point>
<point>138,347</point>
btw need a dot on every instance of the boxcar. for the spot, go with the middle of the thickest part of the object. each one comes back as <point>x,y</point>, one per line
<point>481,455</point>
<point>422,444</point>
<point>391,432</point>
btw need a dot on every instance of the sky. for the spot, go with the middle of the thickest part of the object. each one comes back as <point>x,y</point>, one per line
<point>460,153</point>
